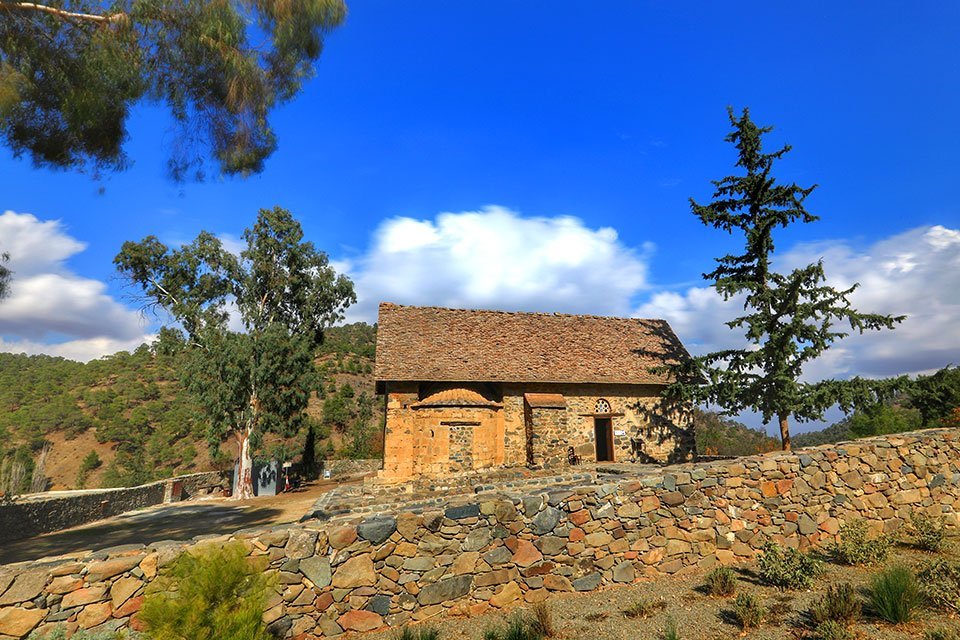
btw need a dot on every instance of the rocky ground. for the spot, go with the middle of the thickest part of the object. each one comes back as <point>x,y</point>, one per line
<point>600,614</point>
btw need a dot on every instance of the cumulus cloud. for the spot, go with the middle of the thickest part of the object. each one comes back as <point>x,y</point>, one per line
<point>51,309</point>
<point>495,258</point>
<point>915,273</point>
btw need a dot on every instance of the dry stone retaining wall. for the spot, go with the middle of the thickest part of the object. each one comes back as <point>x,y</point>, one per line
<point>43,513</point>
<point>499,549</point>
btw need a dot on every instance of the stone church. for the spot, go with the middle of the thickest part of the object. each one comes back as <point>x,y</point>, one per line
<point>468,390</point>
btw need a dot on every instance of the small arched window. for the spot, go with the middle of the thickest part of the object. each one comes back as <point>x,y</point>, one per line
<point>602,406</point>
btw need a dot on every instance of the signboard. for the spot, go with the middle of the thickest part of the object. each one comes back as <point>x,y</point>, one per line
<point>619,432</point>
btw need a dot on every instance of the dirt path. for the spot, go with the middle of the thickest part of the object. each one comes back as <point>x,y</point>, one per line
<point>179,521</point>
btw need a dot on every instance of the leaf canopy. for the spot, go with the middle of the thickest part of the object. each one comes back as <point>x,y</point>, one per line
<point>72,70</point>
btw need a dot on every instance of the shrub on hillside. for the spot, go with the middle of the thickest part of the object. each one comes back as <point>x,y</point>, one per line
<point>749,611</point>
<point>787,568</point>
<point>832,630</point>
<point>417,633</point>
<point>894,594</point>
<point>839,604</point>
<point>942,633</point>
<point>940,583</point>
<point>644,608</point>
<point>721,581</point>
<point>856,547</point>
<point>671,632</point>
<point>519,627</point>
<point>211,593</point>
<point>929,533</point>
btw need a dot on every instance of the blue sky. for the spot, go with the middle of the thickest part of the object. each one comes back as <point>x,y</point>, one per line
<point>584,125</point>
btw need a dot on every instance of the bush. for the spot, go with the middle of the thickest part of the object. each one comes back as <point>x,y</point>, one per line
<point>929,533</point>
<point>671,632</point>
<point>748,611</point>
<point>840,604</point>
<point>722,581</point>
<point>211,593</point>
<point>644,608</point>
<point>940,583</point>
<point>787,568</point>
<point>518,628</point>
<point>417,633</point>
<point>894,594</point>
<point>831,630</point>
<point>857,548</point>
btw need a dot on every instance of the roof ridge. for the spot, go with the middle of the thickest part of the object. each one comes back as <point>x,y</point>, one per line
<point>516,313</point>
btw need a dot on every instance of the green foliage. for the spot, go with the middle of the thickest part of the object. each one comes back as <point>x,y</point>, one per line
<point>717,435</point>
<point>786,567</point>
<point>832,630</point>
<point>90,462</point>
<point>213,594</point>
<point>748,610</point>
<point>884,418</point>
<point>70,78</point>
<point>936,395</point>
<point>721,581</point>
<point>790,319</point>
<point>285,293</point>
<point>856,547</point>
<point>337,412</point>
<point>671,632</point>
<point>894,594</point>
<point>417,633</point>
<point>839,604</point>
<point>518,627</point>
<point>940,583</point>
<point>644,608</point>
<point>929,533</point>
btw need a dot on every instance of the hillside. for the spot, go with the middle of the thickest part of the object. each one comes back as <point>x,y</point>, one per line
<point>129,410</point>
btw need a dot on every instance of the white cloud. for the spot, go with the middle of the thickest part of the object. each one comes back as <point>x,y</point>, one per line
<point>496,258</point>
<point>52,309</point>
<point>915,273</point>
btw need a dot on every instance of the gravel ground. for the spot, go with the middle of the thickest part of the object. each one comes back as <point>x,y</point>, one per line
<point>599,615</point>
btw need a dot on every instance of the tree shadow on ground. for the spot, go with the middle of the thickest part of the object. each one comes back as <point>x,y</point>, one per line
<point>169,522</point>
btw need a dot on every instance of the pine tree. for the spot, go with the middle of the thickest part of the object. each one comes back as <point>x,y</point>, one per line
<point>789,319</point>
<point>71,72</point>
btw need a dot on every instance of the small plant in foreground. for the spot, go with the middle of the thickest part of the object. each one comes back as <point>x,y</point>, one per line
<point>929,533</point>
<point>721,581</point>
<point>212,593</point>
<point>832,630</point>
<point>941,633</point>
<point>840,604</point>
<point>940,583</point>
<point>644,608</point>
<point>671,632</point>
<point>748,611</point>
<point>856,547</point>
<point>542,620</point>
<point>894,594</point>
<point>518,628</point>
<point>417,633</point>
<point>787,568</point>
<point>595,616</point>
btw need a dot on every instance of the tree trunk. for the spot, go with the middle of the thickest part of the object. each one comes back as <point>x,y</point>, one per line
<point>784,431</point>
<point>244,467</point>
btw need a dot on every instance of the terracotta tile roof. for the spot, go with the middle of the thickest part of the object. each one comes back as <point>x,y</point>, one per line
<point>437,344</point>
<point>545,400</point>
<point>456,398</point>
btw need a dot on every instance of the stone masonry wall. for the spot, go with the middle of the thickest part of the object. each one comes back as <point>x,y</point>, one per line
<point>494,550</point>
<point>43,513</point>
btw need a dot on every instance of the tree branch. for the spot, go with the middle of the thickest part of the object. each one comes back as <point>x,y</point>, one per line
<point>62,13</point>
